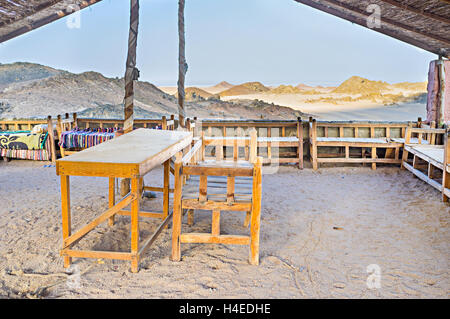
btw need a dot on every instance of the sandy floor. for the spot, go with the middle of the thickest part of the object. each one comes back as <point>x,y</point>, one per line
<point>320,231</point>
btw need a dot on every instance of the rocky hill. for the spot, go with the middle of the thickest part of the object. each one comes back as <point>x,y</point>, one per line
<point>286,89</point>
<point>195,94</point>
<point>34,91</point>
<point>245,88</point>
<point>220,87</point>
<point>359,85</point>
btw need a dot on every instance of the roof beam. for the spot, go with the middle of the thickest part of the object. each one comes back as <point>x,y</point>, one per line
<point>38,8</point>
<point>362,22</point>
<point>39,23</point>
<point>421,12</point>
<point>386,21</point>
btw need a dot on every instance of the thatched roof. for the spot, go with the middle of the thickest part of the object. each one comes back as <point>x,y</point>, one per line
<point>422,23</point>
<point>20,16</point>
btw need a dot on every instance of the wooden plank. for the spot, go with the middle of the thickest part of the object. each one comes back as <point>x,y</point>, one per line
<point>142,214</point>
<point>148,242</point>
<point>67,253</point>
<point>209,205</point>
<point>211,239</point>
<point>358,160</point>
<point>217,171</point>
<point>157,189</point>
<point>71,240</point>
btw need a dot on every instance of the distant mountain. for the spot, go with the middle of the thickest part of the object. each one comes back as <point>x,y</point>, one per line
<point>359,85</point>
<point>44,92</point>
<point>302,86</point>
<point>24,72</point>
<point>219,87</point>
<point>245,88</point>
<point>286,89</point>
<point>34,91</point>
<point>195,94</point>
<point>413,86</point>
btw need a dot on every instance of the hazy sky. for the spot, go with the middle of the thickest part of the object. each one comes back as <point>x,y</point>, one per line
<point>272,41</point>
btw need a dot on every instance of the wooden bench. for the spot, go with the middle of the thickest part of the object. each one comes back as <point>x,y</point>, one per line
<point>426,160</point>
<point>349,136</point>
<point>217,185</point>
<point>276,139</point>
<point>29,124</point>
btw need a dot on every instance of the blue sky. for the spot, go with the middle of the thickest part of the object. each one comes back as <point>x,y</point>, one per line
<point>272,41</point>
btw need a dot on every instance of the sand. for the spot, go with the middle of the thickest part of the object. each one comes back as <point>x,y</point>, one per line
<point>360,110</point>
<point>320,231</point>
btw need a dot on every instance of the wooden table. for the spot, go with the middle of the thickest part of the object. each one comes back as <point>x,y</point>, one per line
<point>128,156</point>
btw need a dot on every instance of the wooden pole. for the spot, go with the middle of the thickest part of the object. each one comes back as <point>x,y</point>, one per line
<point>182,65</point>
<point>51,136</point>
<point>131,72</point>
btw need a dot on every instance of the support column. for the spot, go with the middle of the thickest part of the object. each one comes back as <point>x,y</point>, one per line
<point>131,72</point>
<point>182,65</point>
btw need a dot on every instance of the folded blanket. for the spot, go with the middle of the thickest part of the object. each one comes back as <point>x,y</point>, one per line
<point>85,138</point>
<point>22,140</point>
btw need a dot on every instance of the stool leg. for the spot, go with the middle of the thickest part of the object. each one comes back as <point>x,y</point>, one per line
<point>254,236</point>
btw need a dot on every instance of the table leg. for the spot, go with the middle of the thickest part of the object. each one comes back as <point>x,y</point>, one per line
<point>135,224</point>
<point>65,208</point>
<point>166,188</point>
<point>177,213</point>
<point>112,198</point>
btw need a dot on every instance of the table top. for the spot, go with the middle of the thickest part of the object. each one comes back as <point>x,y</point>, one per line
<point>129,155</point>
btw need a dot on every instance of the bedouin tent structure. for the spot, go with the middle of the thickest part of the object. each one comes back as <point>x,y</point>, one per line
<point>421,23</point>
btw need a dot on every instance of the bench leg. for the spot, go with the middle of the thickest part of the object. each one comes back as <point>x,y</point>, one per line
<point>314,157</point>
<point>374,156</point>
<point>404,157</point>
<point>190,217</point>
<point>445,185</point>
<point>215,227</point>
<point>247,219</point>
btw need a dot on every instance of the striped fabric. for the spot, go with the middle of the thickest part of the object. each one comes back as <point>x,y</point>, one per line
<point>84,138</point>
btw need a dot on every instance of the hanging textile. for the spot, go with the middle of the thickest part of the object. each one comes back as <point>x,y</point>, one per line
<point>84,138</point>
